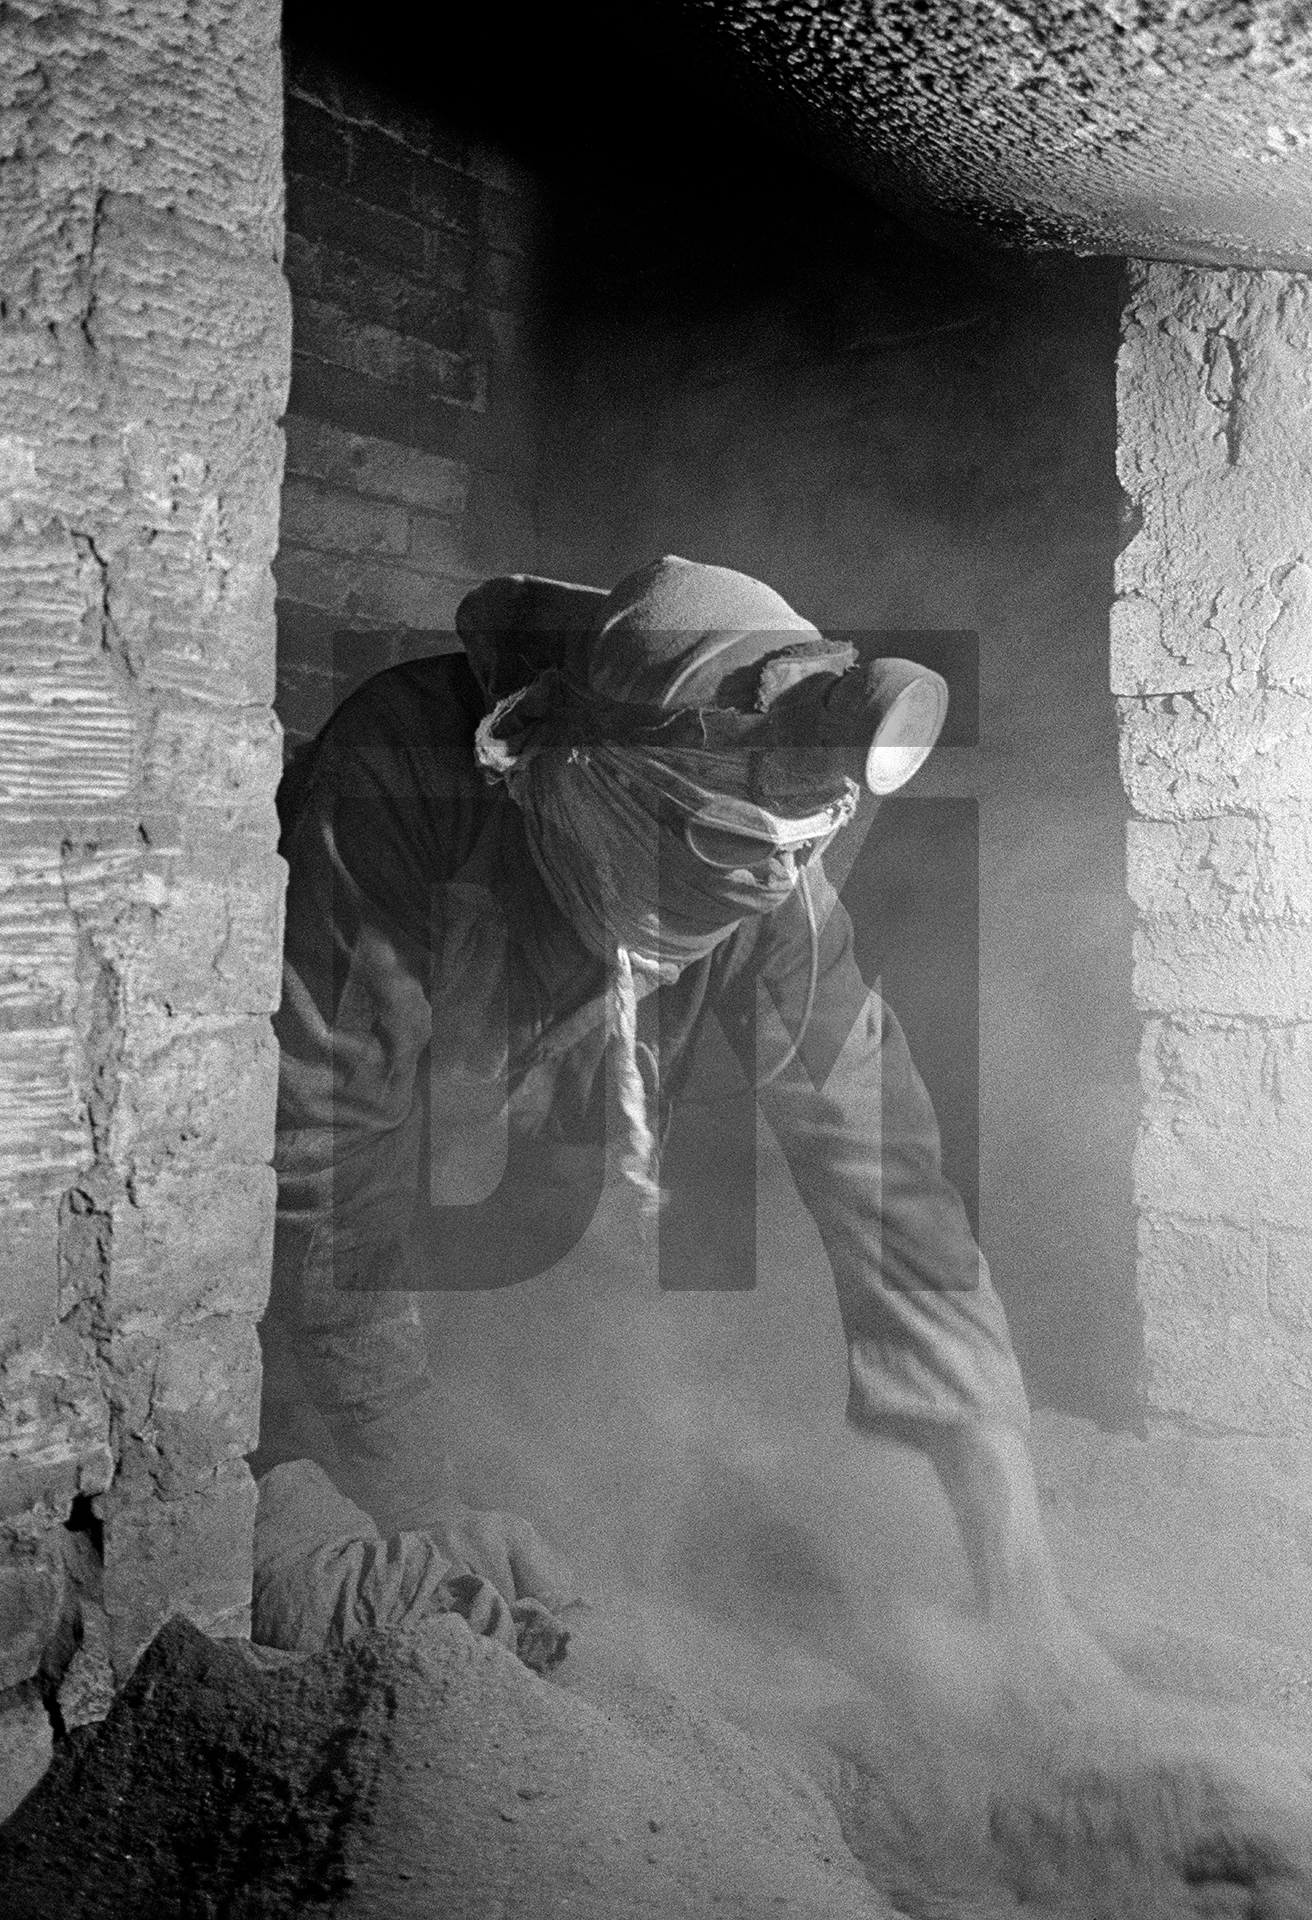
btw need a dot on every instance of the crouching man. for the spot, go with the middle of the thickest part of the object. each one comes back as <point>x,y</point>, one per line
<point>530,874</point>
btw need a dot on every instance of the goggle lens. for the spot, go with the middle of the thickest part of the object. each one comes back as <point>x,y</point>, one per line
<point>730,852</point>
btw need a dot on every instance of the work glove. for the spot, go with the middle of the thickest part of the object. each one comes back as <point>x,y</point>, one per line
<point>526,1627</point>
<point>503,1550</point>
<point>325,1577</point>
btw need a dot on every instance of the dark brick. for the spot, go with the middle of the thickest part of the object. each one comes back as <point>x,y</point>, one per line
<point>320,213</point>
<point>444,198</point>
<point>314,143</point>
<point>390,175</point>
<point>327,333</point>
<point>434,314</point>
<point>305,638</point>
<point>451,258</point>
<point>361,405</point>
<point>382,170</point>
<point>356,657</point>
<point>365,105</point>
<point>376,295</point>
<point>305,699</point>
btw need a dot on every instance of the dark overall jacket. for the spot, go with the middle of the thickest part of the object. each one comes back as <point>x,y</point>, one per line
<point>443,1082</point>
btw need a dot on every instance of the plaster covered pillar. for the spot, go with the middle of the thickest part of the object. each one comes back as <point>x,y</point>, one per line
<point>144,340</point>
<point>1212,658</point>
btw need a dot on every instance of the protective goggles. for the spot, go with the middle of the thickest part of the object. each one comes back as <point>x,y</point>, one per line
<point>731,836</point>
<point>729,850</point>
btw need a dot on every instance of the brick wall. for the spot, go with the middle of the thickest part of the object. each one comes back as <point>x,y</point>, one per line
<point>146,349</point>
<point>409,433</point>
<point>1212,658</point>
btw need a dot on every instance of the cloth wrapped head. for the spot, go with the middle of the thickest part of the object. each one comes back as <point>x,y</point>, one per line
<point>679,749</point>
<point>680,746</point>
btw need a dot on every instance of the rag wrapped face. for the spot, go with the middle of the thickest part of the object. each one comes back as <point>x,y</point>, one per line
<point>635,772</point>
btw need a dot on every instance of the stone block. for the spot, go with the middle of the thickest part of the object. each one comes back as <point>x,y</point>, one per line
<point>378,469</point>
<point>67,743</point>
<point>1253,971</point>
<point>1215,1354</point>
<point>1143,663</point>
<point>187,1398</point>
<point>1202,868</point>
<point>1287,656</point>
<point>50,585</point>
<point>38,939</point>
<point>229,760</point>
<point>43,1134</point>
<point>1235,1377</point>
<point>54,1426</point>
<point>191,1555</point>
<point>26,1746</point>
<point>29,1613</point>
<point>208,935</point>
<point>86,1687</point>
<point>1227,1111</point>
<point>342,522</point>
<point>188,1246</point>
<point>29,1271</point>
<point>194,1090</point>
<point>1287,868</point>
<point>1289,1280</point>
<point>1201,1273</point>
<point>1194,756</point>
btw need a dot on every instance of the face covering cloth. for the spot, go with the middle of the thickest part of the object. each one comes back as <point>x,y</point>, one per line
<point>656,722</point>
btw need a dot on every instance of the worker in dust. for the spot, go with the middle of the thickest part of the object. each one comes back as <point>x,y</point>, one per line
<point>530,875</point>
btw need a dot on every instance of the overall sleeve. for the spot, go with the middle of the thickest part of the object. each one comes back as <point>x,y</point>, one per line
<point>927,1337</point>
<point>389,801</point>
<point>352,1028</point>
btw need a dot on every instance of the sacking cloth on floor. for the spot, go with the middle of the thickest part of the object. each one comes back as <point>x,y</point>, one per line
<point>325,1576</point>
